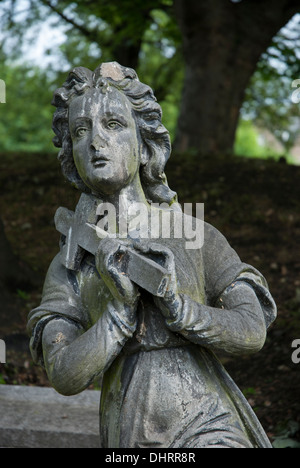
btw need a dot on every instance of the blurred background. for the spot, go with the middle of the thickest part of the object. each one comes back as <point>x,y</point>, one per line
<point>227,75</point>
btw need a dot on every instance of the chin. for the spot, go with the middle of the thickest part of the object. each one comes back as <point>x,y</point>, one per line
<point>106,187</point>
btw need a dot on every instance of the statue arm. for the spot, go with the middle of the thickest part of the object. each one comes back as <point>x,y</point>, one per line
<point>238,309</point>
<point>235,325</point>
<point>74,358</point>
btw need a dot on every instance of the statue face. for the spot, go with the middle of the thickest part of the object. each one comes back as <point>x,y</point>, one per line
<point>105,140</point>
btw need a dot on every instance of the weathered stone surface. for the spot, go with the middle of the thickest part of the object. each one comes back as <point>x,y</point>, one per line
<point>82,236</point>
<point>37,417</point>
<point>104,310</point>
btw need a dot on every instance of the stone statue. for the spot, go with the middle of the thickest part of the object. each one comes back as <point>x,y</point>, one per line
<point>144,312</point>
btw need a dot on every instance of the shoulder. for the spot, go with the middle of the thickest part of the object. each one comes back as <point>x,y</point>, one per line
<point>56,269</point>
<point>213,235</point>
<point>216,246</point>
<point>221,262</point>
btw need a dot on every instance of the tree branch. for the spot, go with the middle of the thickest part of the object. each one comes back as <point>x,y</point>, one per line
<point>92,35</point>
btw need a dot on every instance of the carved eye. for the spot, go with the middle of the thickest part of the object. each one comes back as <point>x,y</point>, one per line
<point>114,125</point>
<point>152,116</point>
<point>81,131</point>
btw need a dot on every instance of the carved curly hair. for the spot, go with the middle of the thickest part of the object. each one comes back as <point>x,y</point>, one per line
<point>148,116</point>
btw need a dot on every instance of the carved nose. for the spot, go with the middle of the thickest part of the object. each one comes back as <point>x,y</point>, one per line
<point>98,143</point>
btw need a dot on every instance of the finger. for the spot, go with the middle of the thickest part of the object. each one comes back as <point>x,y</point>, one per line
<point>153,248</point>
<point>111,252</point>
<point>109,246</point>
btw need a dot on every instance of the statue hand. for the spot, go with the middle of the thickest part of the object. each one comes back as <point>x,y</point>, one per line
<point>111,264</point>
<point>171,304</point>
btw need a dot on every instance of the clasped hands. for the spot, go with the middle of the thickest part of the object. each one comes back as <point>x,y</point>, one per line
<point>111,265</point>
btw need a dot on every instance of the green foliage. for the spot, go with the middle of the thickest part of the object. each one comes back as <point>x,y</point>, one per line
<point>250,142</point>
<point>2,381</point>
<point>247,141</point>
<point>285,437</point>
<point>142,31</point>
<point>269,104</point>
<point>161,65</point>
<point>268,101</point>
<point>25,119</point>
<point>248,392</point>
<point>23,295</point>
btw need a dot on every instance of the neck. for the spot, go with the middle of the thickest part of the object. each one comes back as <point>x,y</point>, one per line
<point>127,203</point>
<point>132,193</point>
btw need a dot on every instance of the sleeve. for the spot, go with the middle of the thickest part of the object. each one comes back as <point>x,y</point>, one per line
<point>73,358</point>
<point>223,268</point>
<point>239,306</point>
<point>73,351</point>
<point>60,298</point>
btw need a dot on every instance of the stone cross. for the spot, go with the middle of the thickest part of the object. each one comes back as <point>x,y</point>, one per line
<point>82,235</point>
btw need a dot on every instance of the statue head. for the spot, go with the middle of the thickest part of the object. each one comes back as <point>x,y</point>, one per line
<point>155,146</point>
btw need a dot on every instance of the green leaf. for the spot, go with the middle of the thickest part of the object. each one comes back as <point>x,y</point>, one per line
<point>285,443</point>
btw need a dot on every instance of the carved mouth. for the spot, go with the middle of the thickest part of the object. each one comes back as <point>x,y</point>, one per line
<point>99,160</point>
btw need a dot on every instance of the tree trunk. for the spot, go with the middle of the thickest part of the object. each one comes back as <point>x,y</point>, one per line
<point>127,54</point>
<point>222,43</point>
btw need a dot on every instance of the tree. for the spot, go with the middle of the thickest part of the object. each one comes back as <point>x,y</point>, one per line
<point>222,43</point>
<point>137,33</point>
<point>272,97</point>
<point>117,27</point>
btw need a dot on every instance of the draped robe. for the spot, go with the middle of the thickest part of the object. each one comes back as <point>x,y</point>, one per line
<point>163,384</point>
